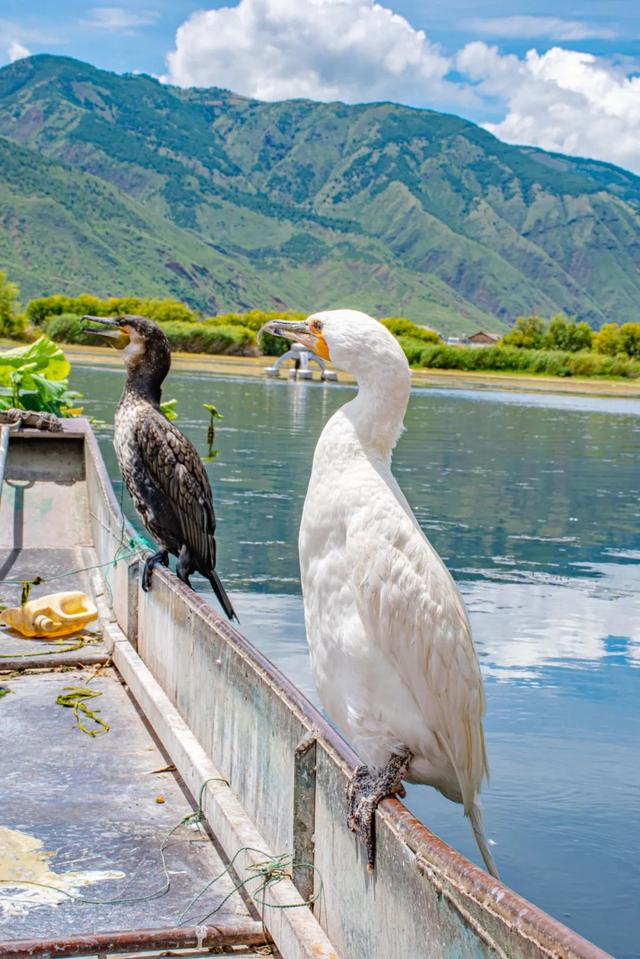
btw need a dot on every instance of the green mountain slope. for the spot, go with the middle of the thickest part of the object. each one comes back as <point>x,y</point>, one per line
<point>231,203</point>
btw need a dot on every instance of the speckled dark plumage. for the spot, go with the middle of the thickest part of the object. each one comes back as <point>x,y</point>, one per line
<point>160,466</point>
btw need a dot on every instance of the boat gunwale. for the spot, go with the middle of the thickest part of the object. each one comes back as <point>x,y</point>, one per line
<point>450,872</point>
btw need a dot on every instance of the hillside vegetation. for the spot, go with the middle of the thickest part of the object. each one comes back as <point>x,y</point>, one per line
<point>119,183</point>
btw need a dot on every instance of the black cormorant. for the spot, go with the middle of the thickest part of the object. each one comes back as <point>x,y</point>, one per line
<point>160,466</point>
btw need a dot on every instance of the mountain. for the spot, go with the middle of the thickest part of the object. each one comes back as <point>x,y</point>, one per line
<point>120,184</point>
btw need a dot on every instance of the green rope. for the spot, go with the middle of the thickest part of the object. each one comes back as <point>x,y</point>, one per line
<point>272,870</point>
<point>193,817</point>
<point>118,900</point>
<point>135,546</point>
<point>198,814</point>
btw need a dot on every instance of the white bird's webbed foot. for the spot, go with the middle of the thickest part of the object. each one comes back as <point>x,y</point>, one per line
<point>366,790</point>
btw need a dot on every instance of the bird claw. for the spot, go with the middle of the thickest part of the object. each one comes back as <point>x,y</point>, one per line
<point>366,790</point>
<point>162,556</point>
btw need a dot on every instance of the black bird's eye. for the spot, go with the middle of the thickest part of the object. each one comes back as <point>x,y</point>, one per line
<point>317,325</point>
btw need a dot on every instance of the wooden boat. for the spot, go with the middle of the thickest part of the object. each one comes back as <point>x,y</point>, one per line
<point>199,719</point>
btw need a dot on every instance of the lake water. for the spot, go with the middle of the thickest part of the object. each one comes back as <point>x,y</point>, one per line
<point>534,503</point>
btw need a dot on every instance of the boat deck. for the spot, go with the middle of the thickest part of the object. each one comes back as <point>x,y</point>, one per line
<point>95,821</point>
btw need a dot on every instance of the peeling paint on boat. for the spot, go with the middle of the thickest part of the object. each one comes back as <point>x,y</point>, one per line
<point>28,879</point>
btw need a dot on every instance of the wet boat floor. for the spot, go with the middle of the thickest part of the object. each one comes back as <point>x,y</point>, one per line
<point>92,817</point>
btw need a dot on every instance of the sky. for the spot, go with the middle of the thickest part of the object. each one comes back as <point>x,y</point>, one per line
<point>565,78</point>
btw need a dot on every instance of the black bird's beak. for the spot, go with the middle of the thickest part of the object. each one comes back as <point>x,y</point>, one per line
<point>299,332</point>
<point>118,335</point>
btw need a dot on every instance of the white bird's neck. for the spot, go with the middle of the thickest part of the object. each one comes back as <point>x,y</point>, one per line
<point>377,412</point>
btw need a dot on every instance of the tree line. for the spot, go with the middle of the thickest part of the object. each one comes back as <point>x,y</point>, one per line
<point>559,347</point>
<point>561,333</point>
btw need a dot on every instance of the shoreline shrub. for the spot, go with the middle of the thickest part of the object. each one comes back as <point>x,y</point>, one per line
<point>67,328</point>
<point>528,333</point>
<point>607,339</point>
<point>203,338</point>
<point>567,335</point>
<point>268,344</point>
<point>517,360</point>
<point>562,347</point>
<point>162,311</point>
<point>630,339</point>
<point>400,326</point>
<point>12,323</point>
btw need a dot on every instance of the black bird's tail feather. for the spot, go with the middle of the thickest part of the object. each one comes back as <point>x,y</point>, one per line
<point>221,593</point>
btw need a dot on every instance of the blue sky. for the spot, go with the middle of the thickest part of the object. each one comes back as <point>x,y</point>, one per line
<point>565,78</point>
<point>64,27</point>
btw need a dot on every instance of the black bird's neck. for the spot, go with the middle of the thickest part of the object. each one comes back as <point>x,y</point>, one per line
<point>143,385</point>
<point>145,377</point>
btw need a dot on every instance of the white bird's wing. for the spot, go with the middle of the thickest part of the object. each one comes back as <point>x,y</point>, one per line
<point>411,608</point>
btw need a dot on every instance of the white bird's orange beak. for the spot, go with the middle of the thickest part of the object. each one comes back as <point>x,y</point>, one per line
<point>306,333</point>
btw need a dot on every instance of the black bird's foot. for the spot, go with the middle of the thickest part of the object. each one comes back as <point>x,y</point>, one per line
<point>183,567</point>
<point>162,556</point>
<point>366,790</point>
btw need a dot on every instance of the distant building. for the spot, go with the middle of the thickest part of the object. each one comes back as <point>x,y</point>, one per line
<point>482,339</point>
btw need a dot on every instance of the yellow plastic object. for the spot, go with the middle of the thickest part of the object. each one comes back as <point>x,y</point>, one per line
<point>58,614</point>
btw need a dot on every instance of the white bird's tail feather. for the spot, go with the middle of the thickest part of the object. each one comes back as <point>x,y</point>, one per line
<point>477,825</point>
<point>473,809</point>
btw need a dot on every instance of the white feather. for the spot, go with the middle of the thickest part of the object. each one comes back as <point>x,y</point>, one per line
<point>391,646</point>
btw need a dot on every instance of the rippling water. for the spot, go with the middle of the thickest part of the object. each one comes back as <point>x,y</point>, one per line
<point>534,502</point>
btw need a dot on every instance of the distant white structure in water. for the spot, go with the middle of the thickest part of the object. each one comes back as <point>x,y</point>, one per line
<point>301,370</point>
<point>480,338</point>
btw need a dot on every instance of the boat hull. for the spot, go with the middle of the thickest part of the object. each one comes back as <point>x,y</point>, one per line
<point>218,705</point>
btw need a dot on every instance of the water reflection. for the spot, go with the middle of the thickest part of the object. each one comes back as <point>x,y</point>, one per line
<point>524,631</point>
<point>535,504</point>
<point>521,628</point>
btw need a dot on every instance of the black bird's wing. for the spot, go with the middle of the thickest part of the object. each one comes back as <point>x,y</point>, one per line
<point>174,466</point>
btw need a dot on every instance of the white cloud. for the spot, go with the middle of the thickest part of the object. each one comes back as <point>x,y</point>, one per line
<point>14,39</point>
<point>561,100</point>
<point>359,50</point>
<point>527,27</point>
<point>118,19</point>
<point>523,628</point>
<point>16,51</point>
<point>323,49</point>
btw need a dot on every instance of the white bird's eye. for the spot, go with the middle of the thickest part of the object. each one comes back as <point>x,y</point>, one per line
<point>316,326</point>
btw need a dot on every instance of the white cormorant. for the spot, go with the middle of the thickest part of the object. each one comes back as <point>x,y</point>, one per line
<point>392,653</point>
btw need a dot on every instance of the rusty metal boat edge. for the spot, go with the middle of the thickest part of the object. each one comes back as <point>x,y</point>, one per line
<point>288,770</point>
<point>144,940</point>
